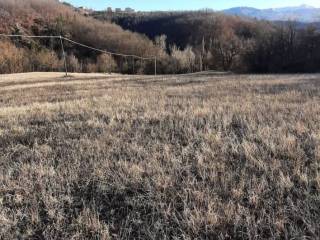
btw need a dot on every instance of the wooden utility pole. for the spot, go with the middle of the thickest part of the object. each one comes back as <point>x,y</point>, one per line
<point>64,57</point>
<point>110,63</point>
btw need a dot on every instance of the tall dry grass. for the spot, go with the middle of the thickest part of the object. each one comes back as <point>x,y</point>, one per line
<point>189,157</point>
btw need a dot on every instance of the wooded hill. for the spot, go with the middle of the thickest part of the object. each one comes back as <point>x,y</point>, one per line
<point>226,42</point>
<point>50,17</point>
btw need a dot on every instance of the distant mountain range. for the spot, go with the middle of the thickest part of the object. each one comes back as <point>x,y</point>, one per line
<point>303,13</point>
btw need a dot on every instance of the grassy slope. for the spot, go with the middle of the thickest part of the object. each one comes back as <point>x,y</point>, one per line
<point>222,156</point>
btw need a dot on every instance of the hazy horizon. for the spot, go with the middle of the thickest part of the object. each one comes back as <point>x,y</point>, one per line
<point>144,5</point>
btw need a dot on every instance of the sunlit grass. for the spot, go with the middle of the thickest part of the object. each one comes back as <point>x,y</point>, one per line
<point>185,157</point>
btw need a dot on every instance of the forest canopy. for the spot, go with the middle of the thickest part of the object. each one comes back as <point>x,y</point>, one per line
<point>224,42</point>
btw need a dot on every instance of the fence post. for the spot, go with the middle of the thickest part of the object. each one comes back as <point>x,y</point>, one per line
<point>64,57</point>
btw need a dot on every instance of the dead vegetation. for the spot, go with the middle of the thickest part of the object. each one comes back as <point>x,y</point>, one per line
<point>189,157</point>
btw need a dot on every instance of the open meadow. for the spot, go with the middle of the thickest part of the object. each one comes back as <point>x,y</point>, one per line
<point>206,156</point>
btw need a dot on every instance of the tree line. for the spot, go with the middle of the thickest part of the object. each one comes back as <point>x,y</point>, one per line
<point>195,41</point>
<point>52,18</point>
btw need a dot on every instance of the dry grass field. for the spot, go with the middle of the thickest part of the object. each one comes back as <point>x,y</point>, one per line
<point>143,157</point>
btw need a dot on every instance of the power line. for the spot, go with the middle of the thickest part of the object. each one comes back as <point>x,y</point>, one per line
<point>103,51</point>
<point>27,36</point>
<point>153,58</point>
<point>79,44</point>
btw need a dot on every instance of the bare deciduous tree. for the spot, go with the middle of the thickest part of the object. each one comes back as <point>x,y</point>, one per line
<point>228,46</point>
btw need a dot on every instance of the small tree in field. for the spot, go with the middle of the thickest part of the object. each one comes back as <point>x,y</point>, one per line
<point>73,64</point>
<point>90,67</point>
<point>44,60</point>
<point>228,47</point>
<point>161,43</point>
<point>185,59</point>
<point>11,58</point>
<point>106,63</point>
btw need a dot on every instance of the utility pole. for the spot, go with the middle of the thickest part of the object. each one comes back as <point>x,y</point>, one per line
<point>64,57</point>
<point>110,63</point>
<point>155,66</point>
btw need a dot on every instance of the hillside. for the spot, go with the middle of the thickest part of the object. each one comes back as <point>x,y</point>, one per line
<point>49,17</point>
<point>53,18</point>
<point>303,13</point>
<point>221,41</point>
<point>183,42</point>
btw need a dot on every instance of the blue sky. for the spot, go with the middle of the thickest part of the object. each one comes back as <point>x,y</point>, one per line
<point>189,4</point>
